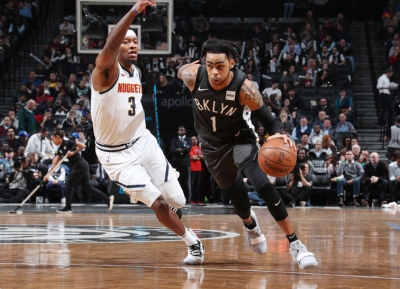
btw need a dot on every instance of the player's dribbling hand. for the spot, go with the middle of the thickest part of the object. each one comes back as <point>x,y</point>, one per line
<point>285,138</point>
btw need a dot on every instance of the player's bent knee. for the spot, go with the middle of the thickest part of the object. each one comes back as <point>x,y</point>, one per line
<point>172,193</point>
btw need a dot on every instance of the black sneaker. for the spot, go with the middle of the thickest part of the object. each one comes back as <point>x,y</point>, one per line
<point>110,203</point>
<point>177,211</point>
<point>64,211</point>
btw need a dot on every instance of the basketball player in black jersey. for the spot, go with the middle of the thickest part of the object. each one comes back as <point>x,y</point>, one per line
<point>223,100</point>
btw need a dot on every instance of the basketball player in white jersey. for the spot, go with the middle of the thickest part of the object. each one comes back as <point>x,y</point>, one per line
<point>127,150</point>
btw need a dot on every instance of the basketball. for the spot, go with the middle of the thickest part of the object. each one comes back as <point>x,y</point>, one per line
<point>276,158</point>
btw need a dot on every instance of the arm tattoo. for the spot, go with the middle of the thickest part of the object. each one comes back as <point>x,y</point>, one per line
<point>188,77</point>
<point>252,95</point>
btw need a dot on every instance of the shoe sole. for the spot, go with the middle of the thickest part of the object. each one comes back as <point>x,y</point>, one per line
<point>65,213</point>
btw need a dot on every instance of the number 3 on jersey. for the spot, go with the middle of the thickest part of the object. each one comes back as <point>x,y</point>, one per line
<point>131,100</point>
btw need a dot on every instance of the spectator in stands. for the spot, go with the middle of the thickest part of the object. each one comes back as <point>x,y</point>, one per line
<point>375,179</point>
<point>385,86</point>
<point>393,136</point>
<point>325,79</point>
<point>11,140</point>
<point>395,57</point>
<point>325,106</point>
<point>71,84</point>
<point>305,144</point>
<point>343,100</point>
<point>332,165</point>
<point>285,122</point>
<point>70,123</point>
<point>48,122</point>
<point>321,118</point>
<point>33,79</point>
<point>24,10</point>
<point>5,126</point>
<point>26,118</point>
<point>299,185</point>
<point>328,145</point>
<point>323,56</point>
<point>290,77</point>
<point>310,19</point>
<point>23,141</point>
<point>394,177</point>
<point>67,27</point>
<point>347,52</point>
<point>356,149</point>
<point>328,42</point>
<point>336,58</point>
<point>296,48</point>
<point>57,178</point>
<point>340,33</point>
<point>316,135</point>
<point>40,144</point>
<point>327,127</point>
<point>196,158</point>
<point>302,128</point>
<point>8,160</point>
<point>295,102</point>
<point>306,44</point>
<point>14,120</point>
<point>288,61</point>
<point>364,158</point>
<point>344,126</point>
<point>201,26</point>
<point>349,174</point>
<point>318,156</point>
<point>16,191</point>
<point>350,117</point>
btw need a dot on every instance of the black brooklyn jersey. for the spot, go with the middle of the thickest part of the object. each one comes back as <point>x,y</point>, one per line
<point>218,115</point>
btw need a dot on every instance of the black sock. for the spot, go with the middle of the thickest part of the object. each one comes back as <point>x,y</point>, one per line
<point>250,225</point>
<point>292,237</point>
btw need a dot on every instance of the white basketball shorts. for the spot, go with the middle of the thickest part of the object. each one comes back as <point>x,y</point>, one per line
<point>133,165</point>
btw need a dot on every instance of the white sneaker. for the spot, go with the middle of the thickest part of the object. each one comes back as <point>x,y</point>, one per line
<point>301,255</point>
<point>256,238</point>
<point>62,200</point>
<point>195,252</point>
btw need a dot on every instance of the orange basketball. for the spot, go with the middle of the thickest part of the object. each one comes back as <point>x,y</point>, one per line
<point>276,158</point>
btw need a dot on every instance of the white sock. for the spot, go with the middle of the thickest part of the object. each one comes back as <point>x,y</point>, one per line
<point>189,239</point>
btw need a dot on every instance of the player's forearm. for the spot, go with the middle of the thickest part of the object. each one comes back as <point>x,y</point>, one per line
<point>271,125</point>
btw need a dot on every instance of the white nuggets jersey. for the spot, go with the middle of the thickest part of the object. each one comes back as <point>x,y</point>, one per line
<point>117,113</point>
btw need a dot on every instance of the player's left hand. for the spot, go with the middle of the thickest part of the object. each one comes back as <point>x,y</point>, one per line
<point>70,154</point>
<point>285,138</point>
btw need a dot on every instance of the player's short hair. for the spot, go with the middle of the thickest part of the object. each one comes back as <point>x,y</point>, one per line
<point>230,48</point>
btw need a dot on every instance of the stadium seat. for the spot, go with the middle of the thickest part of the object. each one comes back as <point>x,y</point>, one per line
<point>329,93</point>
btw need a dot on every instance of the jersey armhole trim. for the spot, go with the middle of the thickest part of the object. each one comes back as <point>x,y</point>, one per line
<point>197,82</point>
<point>112,85</point>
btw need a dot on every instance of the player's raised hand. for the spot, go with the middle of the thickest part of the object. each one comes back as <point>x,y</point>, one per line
<point>141,5</point>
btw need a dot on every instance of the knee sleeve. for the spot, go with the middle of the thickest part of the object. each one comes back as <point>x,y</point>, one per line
<point>266,191</point>
<point>274,202</point>
<point>172,193</point>
<point>240,198</point>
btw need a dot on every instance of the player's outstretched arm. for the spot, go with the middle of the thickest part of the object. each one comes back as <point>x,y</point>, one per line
<point>106,62</point>
<point>188,73</point>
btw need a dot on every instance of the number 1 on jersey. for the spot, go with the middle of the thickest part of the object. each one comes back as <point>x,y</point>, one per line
<point>214,123</point>
<point>131,100</point>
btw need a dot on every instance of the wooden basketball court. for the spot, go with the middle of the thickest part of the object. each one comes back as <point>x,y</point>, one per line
<point>128,248</point>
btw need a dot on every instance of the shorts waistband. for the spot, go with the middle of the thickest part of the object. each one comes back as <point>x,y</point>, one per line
<point>116,148</point>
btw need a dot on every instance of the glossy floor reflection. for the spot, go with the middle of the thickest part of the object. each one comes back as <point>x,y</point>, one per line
<point>128,248</point>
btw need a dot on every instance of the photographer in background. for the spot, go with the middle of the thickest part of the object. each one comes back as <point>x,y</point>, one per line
<point>298,189</point>
<point>180,148</point>
<point>16,191</point>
